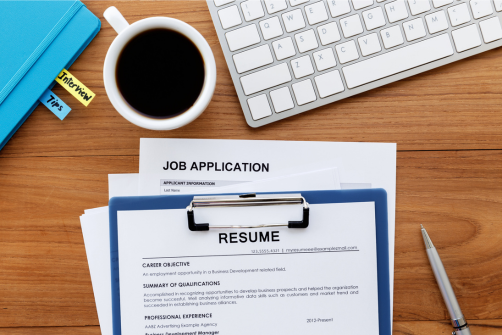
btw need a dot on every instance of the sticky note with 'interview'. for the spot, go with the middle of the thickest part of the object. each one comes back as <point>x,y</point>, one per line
<point>55,104</point>
<point>75,87</point>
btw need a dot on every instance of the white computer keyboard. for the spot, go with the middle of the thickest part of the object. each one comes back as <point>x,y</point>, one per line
<point>290,56</point>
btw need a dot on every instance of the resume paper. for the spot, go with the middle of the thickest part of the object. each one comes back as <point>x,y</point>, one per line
<point>321,279</point>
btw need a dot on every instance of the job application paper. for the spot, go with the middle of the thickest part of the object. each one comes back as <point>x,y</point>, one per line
<point>169,166</point>
<point>170,161</point>
<point>321,279</point>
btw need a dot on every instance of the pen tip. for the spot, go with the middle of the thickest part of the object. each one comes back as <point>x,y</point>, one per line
<point>422,227</point>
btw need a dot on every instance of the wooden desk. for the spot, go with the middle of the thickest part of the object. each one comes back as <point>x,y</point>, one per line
<point>447,123</point>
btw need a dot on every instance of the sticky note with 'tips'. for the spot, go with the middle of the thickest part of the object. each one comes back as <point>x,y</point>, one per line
<point>75,87</point>
<point>55,104</point>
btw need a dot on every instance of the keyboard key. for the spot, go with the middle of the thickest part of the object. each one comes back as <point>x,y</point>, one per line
<point>274,6</point>
<point>252,10</point>
<point>481,8</point>
<point>229,17</point>
<point>459,14</point>
<point>329,33</point>
<point>339,7</point>
<point>329,83</point>
<point>373,18</point>
<point>271,28</point>
<point>358,4</point>
<point>264,79</point>
<point>304,92</point>
<point>297,2</point>
<point>219,3</point>
<point>498,5</point>
<point>369,44</point>
<point>282,100</point>
<point>324,59</point>
<point>391,37</point>
<point>419,6</point>
<point>491,29</point>
<point>284,48</point>
<point>306,40</point>
<point>316,12</point>
<point>466,38</point>
<point>441,3</point>
<point>302,66</point>
<point>293,20</point>
<point>398,60</point>
<point>347,52</point>
<point>414,29</point>
<point>259,107</point>
<point>242,37</point>
<point>351,25</point>
<point>253,58</point>
<point>436,22</point>
<point>396,11</point>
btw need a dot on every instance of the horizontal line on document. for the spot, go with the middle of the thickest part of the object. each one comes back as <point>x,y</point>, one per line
<point>270,253</point>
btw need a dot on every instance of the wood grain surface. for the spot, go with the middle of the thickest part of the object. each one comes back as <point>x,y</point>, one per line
<point>447,123</point>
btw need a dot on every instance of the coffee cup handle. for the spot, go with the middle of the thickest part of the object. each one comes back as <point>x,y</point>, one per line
<point>115,19</point>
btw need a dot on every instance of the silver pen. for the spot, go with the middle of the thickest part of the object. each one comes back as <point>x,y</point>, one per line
<point>457,318</point>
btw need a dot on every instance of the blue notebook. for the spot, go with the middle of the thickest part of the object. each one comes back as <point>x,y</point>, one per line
<point>38,39</point>
<point>378,196</point>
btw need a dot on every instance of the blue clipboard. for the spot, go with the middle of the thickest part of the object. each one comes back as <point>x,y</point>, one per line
<point>378,196</point>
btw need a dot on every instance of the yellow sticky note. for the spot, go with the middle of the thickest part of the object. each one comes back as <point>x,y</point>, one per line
<point>75,87</point>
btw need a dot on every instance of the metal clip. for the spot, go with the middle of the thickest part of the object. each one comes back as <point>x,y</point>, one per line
<point>244,200</point>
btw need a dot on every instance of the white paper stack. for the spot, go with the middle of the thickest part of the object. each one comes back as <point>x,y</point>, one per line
<point>177,166</point>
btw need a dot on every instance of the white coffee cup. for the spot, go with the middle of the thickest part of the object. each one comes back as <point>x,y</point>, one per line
<point>125,33</point>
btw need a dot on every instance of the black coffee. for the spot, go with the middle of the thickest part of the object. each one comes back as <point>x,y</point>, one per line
<point>160,73</point>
